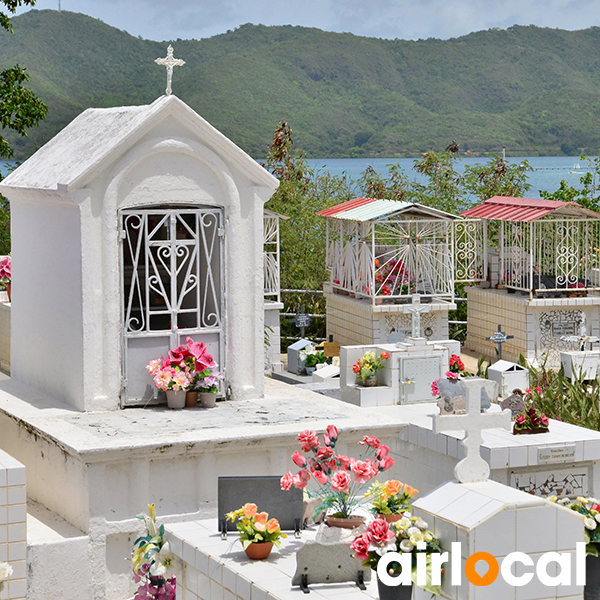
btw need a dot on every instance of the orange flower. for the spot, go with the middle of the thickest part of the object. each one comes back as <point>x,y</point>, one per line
<point>249,510</point>
<point>410,491</point>
<point>260,526</point>
<point>261,517</point>
<point>393,487</point>
<point>272,525</point>
<point>385,355</point>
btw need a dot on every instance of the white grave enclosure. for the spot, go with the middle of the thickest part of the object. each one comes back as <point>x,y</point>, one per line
<point>134,228</point>
<point>379,254</point>
<point>542,279</point>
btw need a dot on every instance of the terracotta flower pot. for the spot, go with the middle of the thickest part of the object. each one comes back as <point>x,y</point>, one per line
<point>259,551</point>
<point>208,399</point>
<point>191,399</point>
<point>350,523</point>
<point>391,518</point>
<point>175,399</point>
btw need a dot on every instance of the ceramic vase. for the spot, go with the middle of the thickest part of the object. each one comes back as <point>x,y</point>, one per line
<point>191,399</point>
<point>175,399</point>
<point>257,551</point>
<point>591,590</point>
<point>350,523</point>
<point>370,381</point>
<point>399,592</point>
<point>208,399</point>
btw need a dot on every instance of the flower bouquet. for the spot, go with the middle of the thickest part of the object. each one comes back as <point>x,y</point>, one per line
<point>152,559</point>
<point>5,572</point>
<point>367,366</point>
<point>590,509</point>
<point>390,500</point>
<point>409,535</point>
<point>341,480</point>
<point>176,373</point>
<point>532,420</point>
<point>258,533</point>
<point>6,274</point>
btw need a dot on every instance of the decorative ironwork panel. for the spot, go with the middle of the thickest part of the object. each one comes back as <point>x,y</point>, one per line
<point>469,250</point>
<point>171,262</point>
<point>272,285</point>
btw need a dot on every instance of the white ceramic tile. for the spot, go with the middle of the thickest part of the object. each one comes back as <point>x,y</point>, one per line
<point>215,570</point>
<point>568,530</point>
<point>16,476</point>
<point>497,534</point>
<point>517,456</point>
<point>201,562</point>
<point>486,512</point>
<point>536,529</point>
<point>499,458</point>
<point>216,591</point>
<point>441,497</point>
<point>243,587</point>
<point>462,508</point>
<point>258,593</point>
<point>591,450</point>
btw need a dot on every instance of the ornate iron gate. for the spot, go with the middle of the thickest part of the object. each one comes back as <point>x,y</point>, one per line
<point>470,261</point>
<point>172,288</point>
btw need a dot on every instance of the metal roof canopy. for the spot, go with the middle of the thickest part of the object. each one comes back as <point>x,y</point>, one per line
<point>369,209</point>
<point>524,210</point>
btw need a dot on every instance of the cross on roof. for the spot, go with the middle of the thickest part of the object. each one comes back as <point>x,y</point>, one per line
<point>472,467</point>
<point>499,338</point>
<point>416,308</point>
<point>170,62</point>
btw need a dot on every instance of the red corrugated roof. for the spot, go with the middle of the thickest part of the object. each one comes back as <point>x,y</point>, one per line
<point>334,210</point>
<point>505,208</point>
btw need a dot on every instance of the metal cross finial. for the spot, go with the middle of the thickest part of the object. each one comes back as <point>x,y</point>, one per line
<point>416,308</point>
<point>499,338</point>
<point>472,467</point>
<point>170,62</point>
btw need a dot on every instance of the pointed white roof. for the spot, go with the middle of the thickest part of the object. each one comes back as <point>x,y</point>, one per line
<point>99,135</point>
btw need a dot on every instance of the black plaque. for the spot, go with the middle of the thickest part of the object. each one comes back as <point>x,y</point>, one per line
<point>266,493</point>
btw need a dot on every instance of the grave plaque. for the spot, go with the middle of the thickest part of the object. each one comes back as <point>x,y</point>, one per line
<point>454,391</point>
<point>516,404</point>
<point>560,328</point>
<point>556,454</point>
<point>452,406</point>
<point>266,493</point>
<point>328,563</point>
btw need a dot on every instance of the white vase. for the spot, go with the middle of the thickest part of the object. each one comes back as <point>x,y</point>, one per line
<point>208,399</point>
<point>176,399</point>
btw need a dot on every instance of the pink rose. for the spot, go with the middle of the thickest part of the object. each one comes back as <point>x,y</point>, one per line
<point>325,452</point>
<point>360,545</point>
<point>340,481</point>
<point>287,481</point>
<point>451,375</point>
<point>520,419</point>
<point>435,391</point>
<point>320,477</point>
<point>308,440</point>
<point>298,459</point>
<point>380,532</point>
<point>343,460</point>
<point>382,452</point>
<point>370,440</point>
<point>300,480</point>
<point>332,432</point>
<point>544,420</point>
<point>362,471</point>
<point>386,463</point>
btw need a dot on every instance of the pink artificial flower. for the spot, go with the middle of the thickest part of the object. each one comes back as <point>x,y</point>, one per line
<point>298,459</point>
<point>544,420</point>
<point>370,440</point>
<point>386,463</point>
<point>308,440</point>
<point>520,419</point>
<point>382,452</point>
<point>380,532</point>
<point>340,481</point>
<point>301,479</point>
<point>332,432</point>
<point>203,360</point>
<point>325,452</point>
<point>451,375</point>
<point>362,470</point>
<point>5,268</point>
<point>343,460</point>
<point>287,481</point>
<point>178,355</point>
<point>435,391</point>
<point>360,545</point>
<point>320,477</point>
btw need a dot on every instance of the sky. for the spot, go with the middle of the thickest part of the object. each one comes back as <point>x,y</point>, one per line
<point>406,19</point>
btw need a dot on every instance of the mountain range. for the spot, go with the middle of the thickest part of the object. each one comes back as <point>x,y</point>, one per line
<point>535,91</point>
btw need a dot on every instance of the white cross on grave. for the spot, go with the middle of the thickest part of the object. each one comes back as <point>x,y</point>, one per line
<point>472,467</point>
<point>169,62</point>
<point>416,308</point>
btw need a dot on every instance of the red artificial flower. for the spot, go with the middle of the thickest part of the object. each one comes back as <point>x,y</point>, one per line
<point>340,481</point>
<point>320,477</point>
<point>356,367</point>
<point>325,452</point>
<point>370,440</point>
<point>332,432</point>
<point>379,531</point>
<point>520,419</point>
<point>360,545</point>
<point>343,460</point>
<point>363,470</point>
<point>308,440</point>
<point>386,463</point>
<point>301,479</point>
<point>385,355</point>
<point>287,481</point>
<point>382,452</point>
<point>298,459</point>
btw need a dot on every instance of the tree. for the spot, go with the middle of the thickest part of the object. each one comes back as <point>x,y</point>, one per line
<point>20,109</point>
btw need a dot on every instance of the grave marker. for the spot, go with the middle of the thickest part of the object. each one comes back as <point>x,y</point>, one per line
<point>302,321</point>
<point>416,308</point>
<point>169,62</point>
<point>499,338</point>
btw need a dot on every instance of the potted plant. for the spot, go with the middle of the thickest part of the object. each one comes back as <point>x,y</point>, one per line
<point>367,367</point>
<point>258,533</point>
<point>589,508</point>
<point>208,387</point>
<point>402,536</point>
<point>6,275</point>
<point>176,373</point>
<point>5,572</point>
<point>533,420</point>
<point>390,500</point>
<point>152,560</point>
<point>340,481</point>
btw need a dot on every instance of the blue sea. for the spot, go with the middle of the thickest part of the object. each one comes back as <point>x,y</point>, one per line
<point>547,174</point>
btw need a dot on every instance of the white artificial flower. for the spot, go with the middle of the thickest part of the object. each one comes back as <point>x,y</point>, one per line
<point>403,524</point>
<point>415,538</point>
<point>582,499</point>
<point>406,546</point>
<point>413,530</point>
<point>421,524</point>
<point>590,523</point>
<point>597,517</point>
<point>162,561</point>
<point>389,546</point>
<point>5,571</point>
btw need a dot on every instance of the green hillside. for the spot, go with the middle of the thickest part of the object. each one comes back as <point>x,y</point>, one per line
<point>533,90</point>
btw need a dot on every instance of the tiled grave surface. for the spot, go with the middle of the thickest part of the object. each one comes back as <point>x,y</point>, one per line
<point>13,516</point>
